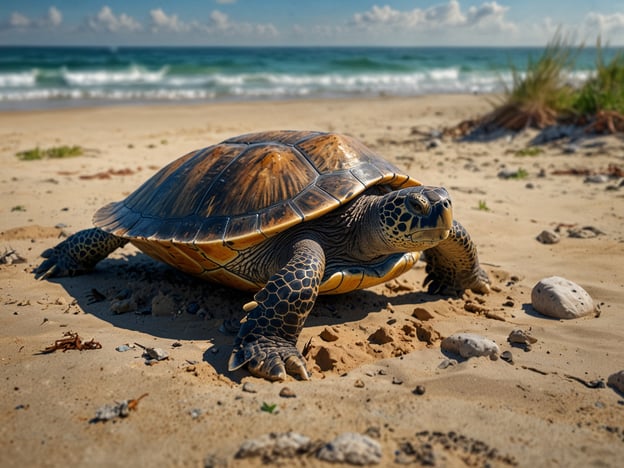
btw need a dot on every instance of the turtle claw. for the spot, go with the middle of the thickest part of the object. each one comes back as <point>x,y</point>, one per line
<point>58,263</point>
<point>272,358</point>
<point>477,281</point>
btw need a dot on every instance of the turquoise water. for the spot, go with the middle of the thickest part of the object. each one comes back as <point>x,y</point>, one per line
<point>39,77</point>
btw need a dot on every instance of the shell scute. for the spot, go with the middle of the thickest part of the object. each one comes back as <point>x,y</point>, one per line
<point>315,202</point>
<point>278,218</point>
<point>342,185</point>
<point>232,195</point>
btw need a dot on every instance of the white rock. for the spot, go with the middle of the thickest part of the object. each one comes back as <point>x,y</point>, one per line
<point>469,345</point>
<point>616,381</point>
<point>561,298</point>
<point>353,448</point>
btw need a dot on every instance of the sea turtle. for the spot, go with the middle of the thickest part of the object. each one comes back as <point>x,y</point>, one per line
<point>287,215</point>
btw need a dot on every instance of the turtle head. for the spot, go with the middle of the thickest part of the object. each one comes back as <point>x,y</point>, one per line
<point>415,218</point>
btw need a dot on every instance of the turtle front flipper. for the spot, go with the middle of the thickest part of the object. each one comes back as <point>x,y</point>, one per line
<point>267,340</point>
<point>78,254</point>
<point>453,265</point>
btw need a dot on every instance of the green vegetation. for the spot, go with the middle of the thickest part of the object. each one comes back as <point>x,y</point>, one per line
<point>604,91</point>
<point>18,208</point>
<point>268,408</point>
<point>541,95</point>
<point>483,206</point>
<point>520,174</point>
<point>529,151</point>
<point>56,152</point>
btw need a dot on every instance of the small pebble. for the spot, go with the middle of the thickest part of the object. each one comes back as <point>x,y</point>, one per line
<point>419,390</point>
<point>434,143</point>
<point>561,298</point>
<point>548,237</point>
<point>507,357</point>
<point>447,363</point>
<point>359,383</point>
<point>585,232</point>
<point>596,179</point>
<point>352,448</point>
<point>286,392</point>
<point>381,336</point>
<point>214,461</point>
<point>397,381</point>
<point>158,354</point>
<point>521,337</point>
<point>469,345</point>
<point>422,314</point>
<point>508,173</point>
<point>195,413</point>
<point>123,348</point>
<point>616,381</point>
<point>249,388</point>
<point>329,334</point>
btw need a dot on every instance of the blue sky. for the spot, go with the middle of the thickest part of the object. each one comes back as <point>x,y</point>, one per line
<point>321,22</point>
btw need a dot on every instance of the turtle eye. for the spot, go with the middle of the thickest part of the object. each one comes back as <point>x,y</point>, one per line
<point>418,204</point>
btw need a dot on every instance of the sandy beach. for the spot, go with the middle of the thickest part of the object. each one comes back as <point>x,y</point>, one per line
<point>538,410</point>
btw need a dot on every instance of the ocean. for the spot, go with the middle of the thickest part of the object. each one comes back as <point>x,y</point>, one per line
<point>43,77</point>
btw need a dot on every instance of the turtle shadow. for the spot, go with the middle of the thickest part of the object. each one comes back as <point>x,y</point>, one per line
<point>199,307</point>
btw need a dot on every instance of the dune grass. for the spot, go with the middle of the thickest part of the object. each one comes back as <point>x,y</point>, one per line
<point>538,95</point>
<point>56,152</point>
<point>541,95</point>
<point>604,91</point>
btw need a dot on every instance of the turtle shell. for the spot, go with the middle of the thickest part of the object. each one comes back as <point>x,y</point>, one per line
<point>235,194</point>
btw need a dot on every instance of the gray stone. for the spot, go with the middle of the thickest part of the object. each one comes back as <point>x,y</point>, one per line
<point>596,179</point>
<point>469,345</point>
<point>548,237</point>
<point>353,448</point>
<point>561,298</point>
<point>521,337</point>
<point>275,445</point>
<point>616,381</point>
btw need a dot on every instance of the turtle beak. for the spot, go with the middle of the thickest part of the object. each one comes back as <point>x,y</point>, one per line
<point>433,214</point>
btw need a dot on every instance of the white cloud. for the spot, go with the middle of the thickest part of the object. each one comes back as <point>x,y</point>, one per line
<point>219,20</point>
<point>53,19</point>
<point>488,14</point>
<point>605,24</point>
<point>226,2</point>
<point>17,20</point>
<point>162,21</point>
<point>106,20</point>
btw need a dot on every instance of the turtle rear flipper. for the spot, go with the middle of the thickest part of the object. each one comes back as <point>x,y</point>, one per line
<point>78,254</point>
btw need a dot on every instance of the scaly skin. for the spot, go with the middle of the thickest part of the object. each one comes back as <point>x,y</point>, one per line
<point>78,254</point>
<point>267,340</point>
<point>453,265</point>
